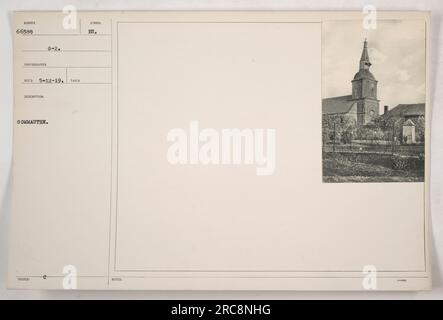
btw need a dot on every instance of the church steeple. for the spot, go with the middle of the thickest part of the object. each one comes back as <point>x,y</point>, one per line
<point>364,90</point>
<point>364,60</point>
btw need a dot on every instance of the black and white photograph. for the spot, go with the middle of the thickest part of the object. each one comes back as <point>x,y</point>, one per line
<point>373,101</point>
<point>229,158</point>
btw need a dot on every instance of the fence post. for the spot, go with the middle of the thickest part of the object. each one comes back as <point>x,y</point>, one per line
<point>393,138</point>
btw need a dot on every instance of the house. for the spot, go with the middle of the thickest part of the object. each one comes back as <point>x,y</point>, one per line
<point>414,112</point>
<point>411,119</point>
<point>408,132</point>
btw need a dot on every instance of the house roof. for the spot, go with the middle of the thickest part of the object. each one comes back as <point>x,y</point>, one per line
<point>336,105</point>
<point>402,110</point>
<point>409,123</point>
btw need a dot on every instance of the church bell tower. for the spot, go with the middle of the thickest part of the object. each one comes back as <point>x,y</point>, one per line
<point>364,90</point>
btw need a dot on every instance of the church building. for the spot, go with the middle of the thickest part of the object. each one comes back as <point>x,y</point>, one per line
<point>362,106</point>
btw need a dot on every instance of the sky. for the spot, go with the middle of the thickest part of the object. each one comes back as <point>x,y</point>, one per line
<point>396,51</point>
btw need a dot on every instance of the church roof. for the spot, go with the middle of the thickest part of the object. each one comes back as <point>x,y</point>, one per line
<point>365,64</point>
<point>336,105</point>
<point>364,74</point>
<point>364,54</point>
<point>402,110</point>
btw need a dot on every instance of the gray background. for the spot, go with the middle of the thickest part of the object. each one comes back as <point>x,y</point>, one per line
<point>6,102</point>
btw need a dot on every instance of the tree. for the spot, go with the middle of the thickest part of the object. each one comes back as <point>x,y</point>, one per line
<point>339,128</point>
<point>420,129</point>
